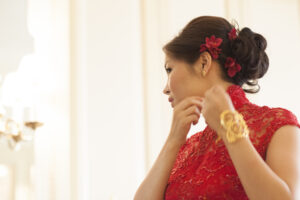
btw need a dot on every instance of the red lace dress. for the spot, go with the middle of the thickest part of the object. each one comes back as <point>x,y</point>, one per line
<point>203,168</point>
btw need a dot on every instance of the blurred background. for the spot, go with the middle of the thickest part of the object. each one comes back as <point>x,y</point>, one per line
<point>92,71</point>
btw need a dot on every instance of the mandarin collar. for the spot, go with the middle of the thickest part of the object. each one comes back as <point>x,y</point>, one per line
<point>237,95</point>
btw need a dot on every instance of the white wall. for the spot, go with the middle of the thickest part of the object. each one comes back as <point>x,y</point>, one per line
<point>48,22</point>
<point>109,75</point>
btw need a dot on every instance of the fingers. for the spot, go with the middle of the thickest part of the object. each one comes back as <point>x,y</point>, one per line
<point>192,113</point>
<point>189,111</point>
<point>192,110</point>
<point>195,100</point>
<point>188,107</point>
<point>192,119</point>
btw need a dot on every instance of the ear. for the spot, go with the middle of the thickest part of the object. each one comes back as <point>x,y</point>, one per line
<point>203,65</point>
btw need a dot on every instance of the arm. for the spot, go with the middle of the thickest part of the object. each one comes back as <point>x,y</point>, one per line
<point>154,184</point>
<point>278,177</point>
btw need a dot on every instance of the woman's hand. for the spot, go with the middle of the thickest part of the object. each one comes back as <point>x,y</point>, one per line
<point>215,101</point>
<point>184,114</point>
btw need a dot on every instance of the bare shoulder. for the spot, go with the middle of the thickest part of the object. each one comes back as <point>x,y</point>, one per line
<point>283,155</point>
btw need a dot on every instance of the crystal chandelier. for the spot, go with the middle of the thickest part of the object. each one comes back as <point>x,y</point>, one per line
<point>14,133</point>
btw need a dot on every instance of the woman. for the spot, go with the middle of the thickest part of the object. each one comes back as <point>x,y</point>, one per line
<point>246,151</point>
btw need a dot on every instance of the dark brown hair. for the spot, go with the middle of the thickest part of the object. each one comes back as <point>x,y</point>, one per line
<point>248,49</point>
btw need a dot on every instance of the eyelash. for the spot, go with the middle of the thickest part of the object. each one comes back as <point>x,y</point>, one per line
<point>168,70</point>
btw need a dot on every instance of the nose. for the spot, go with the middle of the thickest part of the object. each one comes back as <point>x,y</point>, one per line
<point>166,90</point>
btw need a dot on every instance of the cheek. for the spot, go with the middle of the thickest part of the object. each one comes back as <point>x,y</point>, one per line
<point>176,85</point>
<point>173,83</point>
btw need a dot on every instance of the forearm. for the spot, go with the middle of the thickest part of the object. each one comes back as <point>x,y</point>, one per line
<point>257,178</point>
<point>153,186</point>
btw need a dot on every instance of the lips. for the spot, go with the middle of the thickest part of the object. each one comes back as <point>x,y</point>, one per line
<point>171,101</point>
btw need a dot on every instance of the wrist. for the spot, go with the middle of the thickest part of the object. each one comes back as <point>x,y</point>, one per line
<point>222,133</point>
<point>175,142</point>
<point>237,144</point>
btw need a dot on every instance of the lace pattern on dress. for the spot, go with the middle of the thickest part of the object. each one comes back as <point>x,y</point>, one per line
<point>203,168</point>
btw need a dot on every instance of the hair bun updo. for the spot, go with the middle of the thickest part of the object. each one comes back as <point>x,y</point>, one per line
<point>248,49</point>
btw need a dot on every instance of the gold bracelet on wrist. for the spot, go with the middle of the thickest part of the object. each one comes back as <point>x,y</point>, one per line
<point>234,124</point>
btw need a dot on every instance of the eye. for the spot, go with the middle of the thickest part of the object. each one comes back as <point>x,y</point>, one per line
<point>168,70</point>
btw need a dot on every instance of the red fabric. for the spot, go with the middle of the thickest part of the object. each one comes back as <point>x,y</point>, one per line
<point>203,168</point>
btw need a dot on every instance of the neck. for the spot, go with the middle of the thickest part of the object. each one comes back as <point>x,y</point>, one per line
<point>215,78</point>
<point>224,84</point>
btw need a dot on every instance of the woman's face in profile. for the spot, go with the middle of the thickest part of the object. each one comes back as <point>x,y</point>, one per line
<point>182,81</point>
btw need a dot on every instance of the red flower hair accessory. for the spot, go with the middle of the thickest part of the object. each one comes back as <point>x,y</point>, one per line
<point>233,66</point>
<point>232,34</point>
<point>211,46</point>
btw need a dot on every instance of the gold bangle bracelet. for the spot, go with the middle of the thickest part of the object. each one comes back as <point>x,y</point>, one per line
<point>234,124</point>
